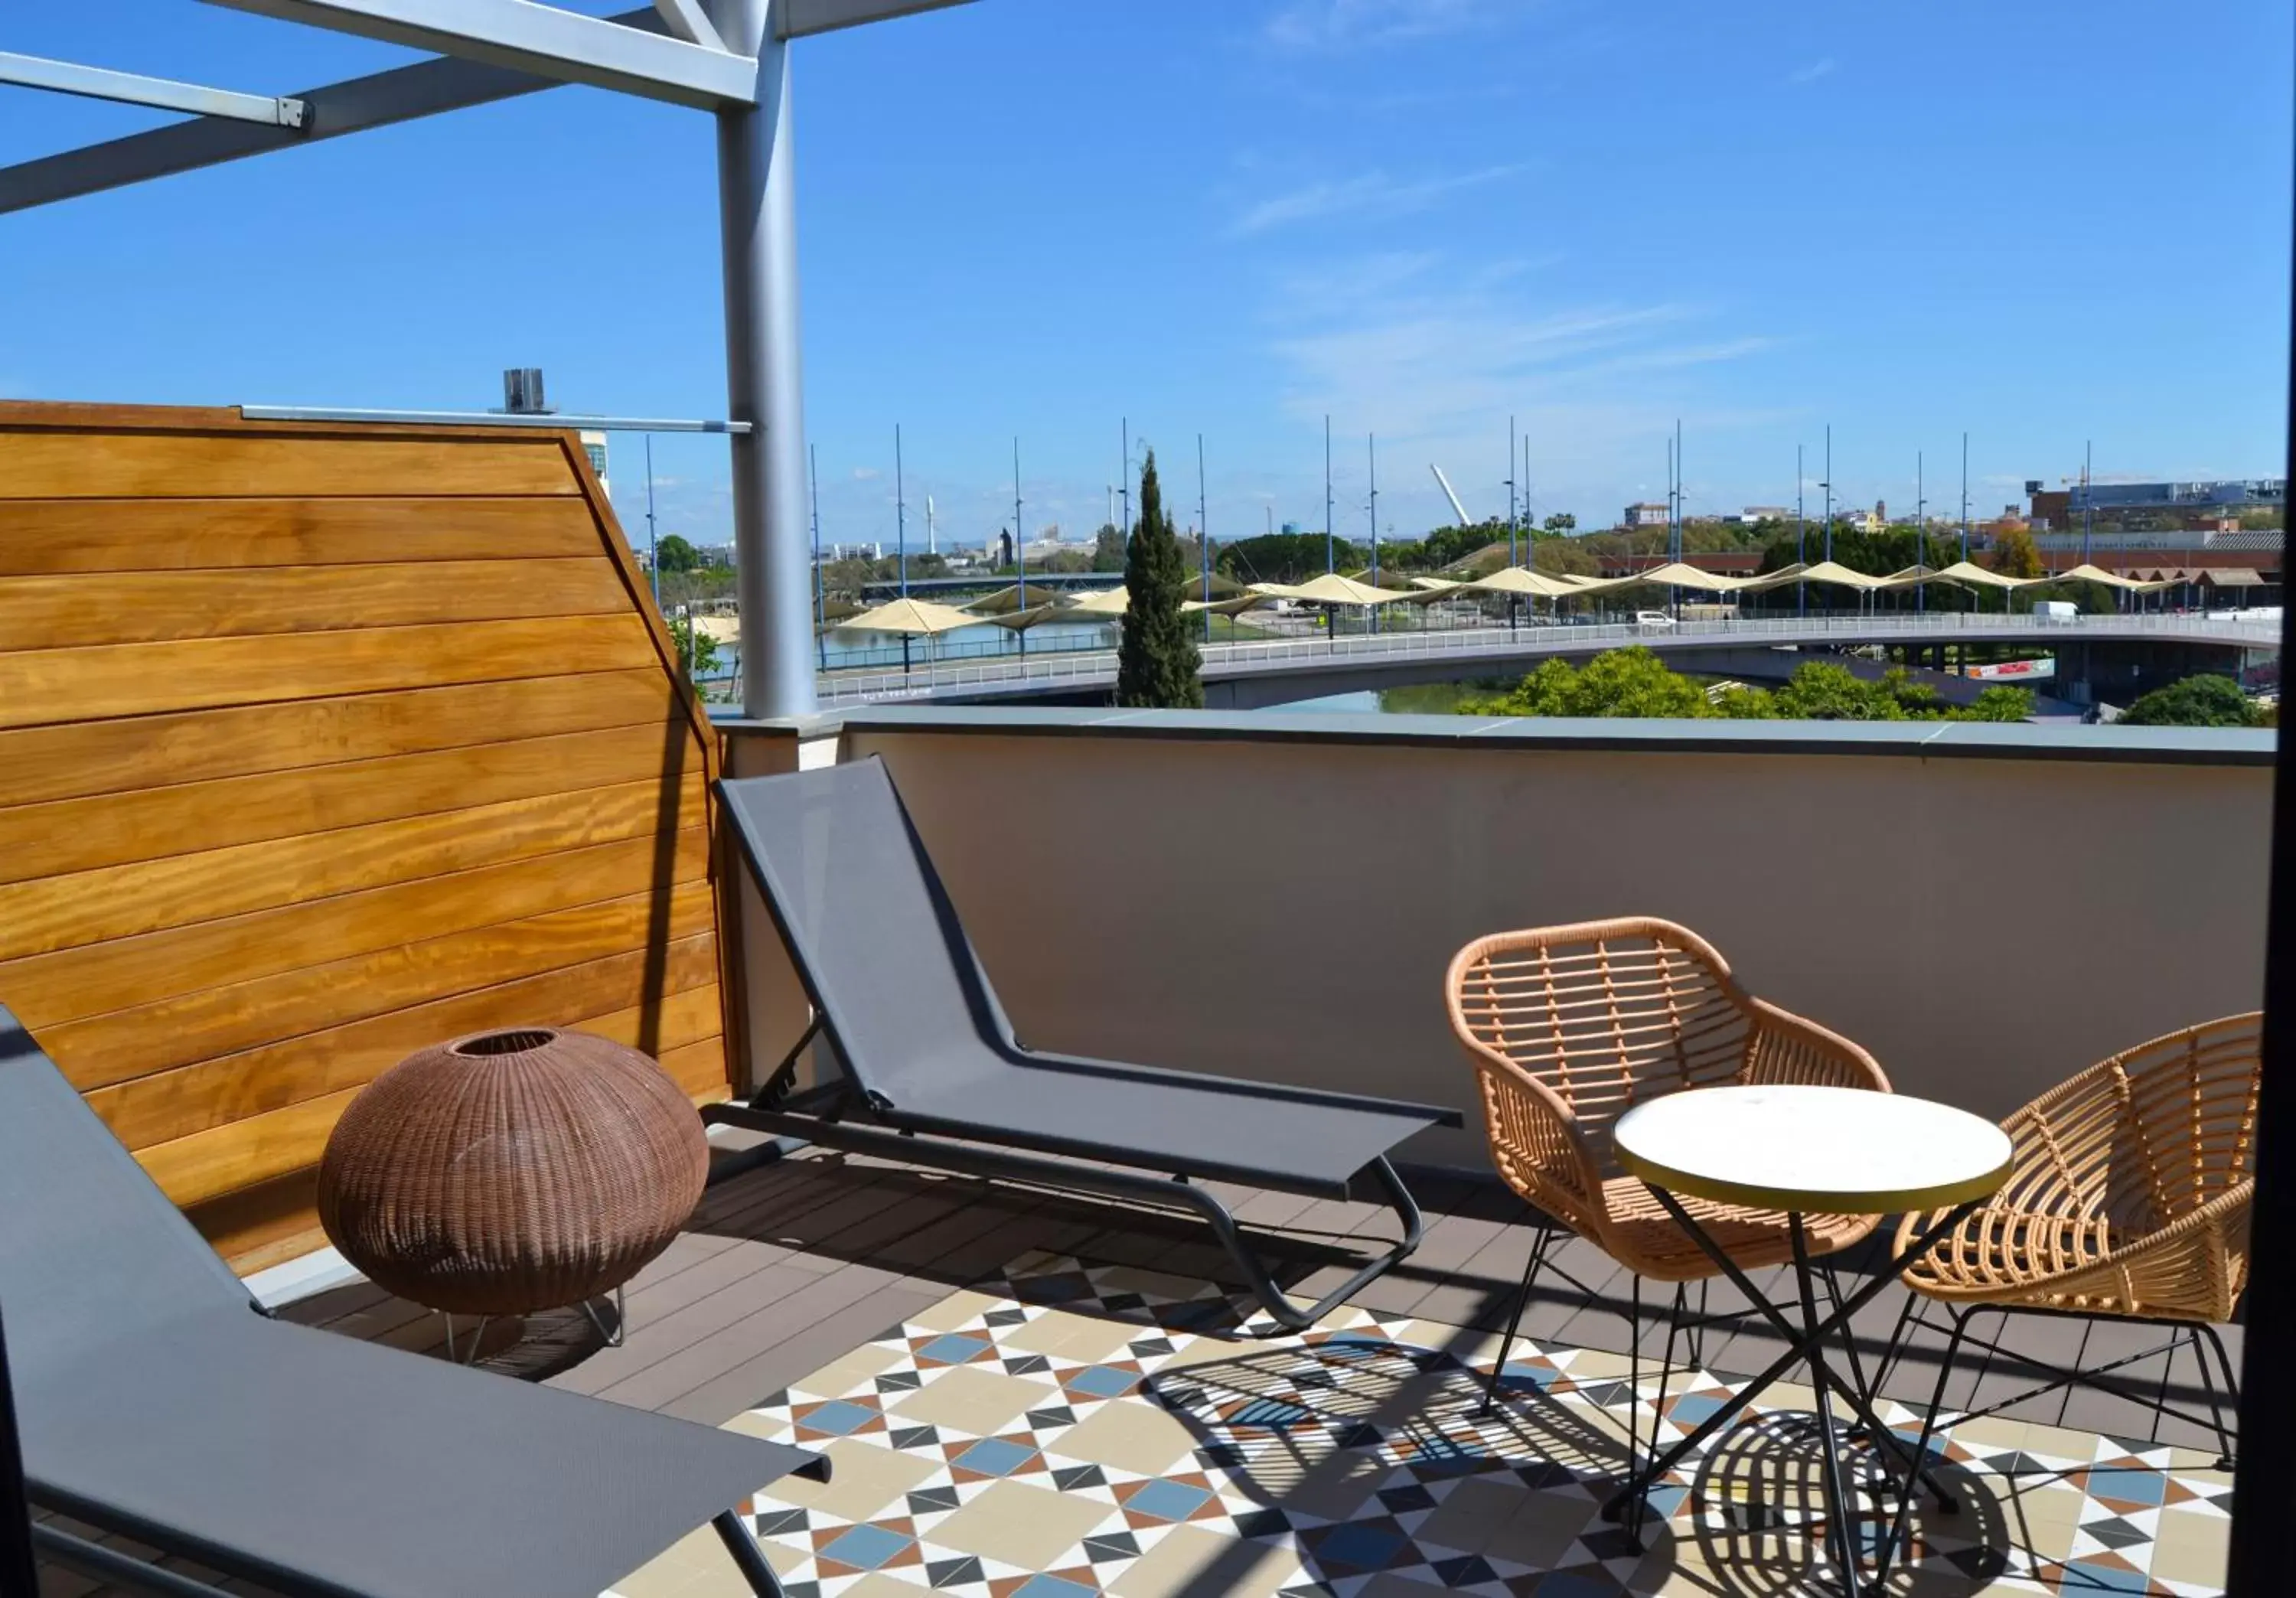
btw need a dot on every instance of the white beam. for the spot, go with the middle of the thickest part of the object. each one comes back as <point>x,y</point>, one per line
<point>796,19</point>
<point>401,94</point>
<point>686,19</point>
<point>165,94</point>
<point>544,40</point>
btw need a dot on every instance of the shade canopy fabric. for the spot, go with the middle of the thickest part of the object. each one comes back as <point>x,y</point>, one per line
<point>2232,577</point>
<point>1969,574</point>
<point>1236,606</point>
<point>1021,621</point>
<point>1523,581</point>
<point>1677,573</point>
<point>1910,577</point>
<point>1332,589</point>
<point>1102,602</point>
<point>1824,571</point>
<point>718,629</point>
<point>918,617</point>
<point>2086,573</point>
<point>1005,601</point>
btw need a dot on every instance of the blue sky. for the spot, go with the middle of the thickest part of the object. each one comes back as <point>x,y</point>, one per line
<point>2044,221</point>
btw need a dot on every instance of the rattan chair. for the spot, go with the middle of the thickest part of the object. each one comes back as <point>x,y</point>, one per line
<point>2128,1200</point>
<point>1570,1027</point>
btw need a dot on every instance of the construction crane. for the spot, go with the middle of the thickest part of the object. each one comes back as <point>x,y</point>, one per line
<point>1444,483</point>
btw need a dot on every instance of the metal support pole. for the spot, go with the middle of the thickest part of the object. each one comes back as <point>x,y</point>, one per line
<point>1965,496</point>
<point>756,205</point>
<point>653,553</point>
<point>1204,537</point>
<point>1921,533</point>
<point>1020,555</point>
<point>1513,526</point>
<point>1331,563</point>
<point>820,594</point>
<point>1371,455</point>
<point>1828,486</point>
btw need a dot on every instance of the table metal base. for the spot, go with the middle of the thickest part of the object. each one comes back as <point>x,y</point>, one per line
<point>1807,1349</point>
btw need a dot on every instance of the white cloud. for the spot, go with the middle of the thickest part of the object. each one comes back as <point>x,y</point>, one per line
<point>1427,352</point>
<point>1351,24</point>
<point>1373,193</point>
<point>867,474</point>
<point>1812,72</point>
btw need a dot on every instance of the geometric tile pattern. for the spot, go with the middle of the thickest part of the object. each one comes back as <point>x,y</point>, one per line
<point>1069,1429</point>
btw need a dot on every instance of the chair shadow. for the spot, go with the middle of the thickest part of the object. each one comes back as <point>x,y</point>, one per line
<point>1352,1429</point>
<point>1759,1529</point>
<point>831,1206</point>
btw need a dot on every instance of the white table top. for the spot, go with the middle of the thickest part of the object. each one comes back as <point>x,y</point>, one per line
<point>1833,1150</point>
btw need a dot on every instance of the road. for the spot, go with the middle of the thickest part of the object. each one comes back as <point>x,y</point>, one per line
<point>1363,661</point>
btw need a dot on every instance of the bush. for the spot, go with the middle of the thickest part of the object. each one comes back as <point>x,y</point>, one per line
<point>2201,702</point>
<point>1636,682</point>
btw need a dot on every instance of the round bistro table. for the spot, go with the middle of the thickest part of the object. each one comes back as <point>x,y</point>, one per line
<point>1810,1151</point>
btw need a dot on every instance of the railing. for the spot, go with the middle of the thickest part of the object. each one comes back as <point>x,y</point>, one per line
<point>1094,668</point>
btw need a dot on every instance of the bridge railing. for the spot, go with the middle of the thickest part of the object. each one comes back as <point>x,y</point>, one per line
<point>1092,667</point>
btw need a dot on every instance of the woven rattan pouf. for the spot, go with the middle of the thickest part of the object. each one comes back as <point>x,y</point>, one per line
<point>511,1171</point>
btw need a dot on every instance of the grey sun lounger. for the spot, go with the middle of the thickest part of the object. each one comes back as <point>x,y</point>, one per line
<point>930,1073</point>
<point>154,1401</point>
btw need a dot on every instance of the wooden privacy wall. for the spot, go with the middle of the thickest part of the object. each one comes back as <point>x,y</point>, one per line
<point>318,744</point>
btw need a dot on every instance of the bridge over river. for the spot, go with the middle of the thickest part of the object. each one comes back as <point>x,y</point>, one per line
<point>2103,650</point>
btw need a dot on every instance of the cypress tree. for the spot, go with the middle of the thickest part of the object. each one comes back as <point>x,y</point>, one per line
<point>1156,667</point>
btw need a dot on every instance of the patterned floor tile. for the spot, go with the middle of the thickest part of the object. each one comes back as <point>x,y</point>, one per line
<point>1069,1429</point>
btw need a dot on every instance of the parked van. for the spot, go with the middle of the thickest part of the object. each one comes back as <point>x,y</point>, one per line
<point>2054,610</point>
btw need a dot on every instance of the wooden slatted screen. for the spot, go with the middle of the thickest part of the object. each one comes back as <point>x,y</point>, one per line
<point>318,744</point>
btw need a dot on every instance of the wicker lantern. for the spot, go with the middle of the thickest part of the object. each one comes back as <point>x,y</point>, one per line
<point>511,1171</point>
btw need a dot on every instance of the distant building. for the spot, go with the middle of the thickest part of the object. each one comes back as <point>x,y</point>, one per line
<point>2193,504</point>
<point>1754,513</point>
<point>2249,562</point>
<point>1649,513</point>
<point>594,445</point>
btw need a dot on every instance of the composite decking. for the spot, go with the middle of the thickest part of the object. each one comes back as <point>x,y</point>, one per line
<point>790,1264</point>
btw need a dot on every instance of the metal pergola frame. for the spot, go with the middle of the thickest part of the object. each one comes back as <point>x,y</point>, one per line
<point>727,57</point>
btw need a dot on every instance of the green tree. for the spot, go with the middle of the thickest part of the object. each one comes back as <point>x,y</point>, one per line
<point>1620,682</point>
<point>674,553</point>
<point>1564,557</point>
<point>1157,663</point>
<point>1284,557</point>
<point>2015,553</point>
<point>1108,548</point>
<point>1823,691</point>
<point>1738,702</point>
<point>1560,523</point>
<point>2200,702</point>
<point>850,575</point>
<point>1443,547</point>
<point>2001,704</point>
<point>1635,682</point>
<point>697,653</point>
